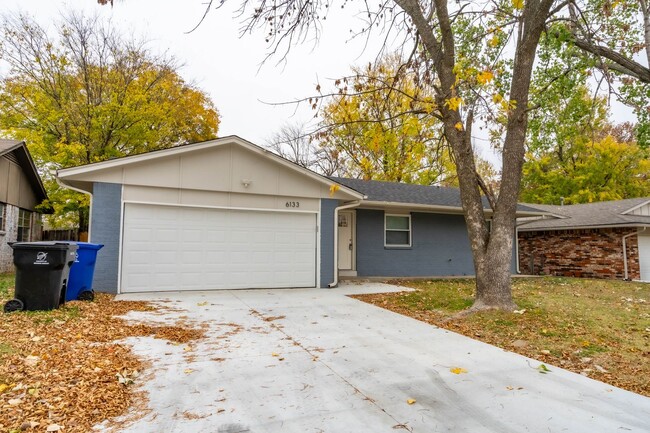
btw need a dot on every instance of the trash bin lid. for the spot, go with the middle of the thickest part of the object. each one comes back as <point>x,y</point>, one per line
<point>51,245</point>
<point>89,246</point>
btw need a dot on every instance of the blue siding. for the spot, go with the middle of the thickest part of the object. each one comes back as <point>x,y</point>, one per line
<point>440,246</point>
<point>326,223</point>
<point>105,229</point>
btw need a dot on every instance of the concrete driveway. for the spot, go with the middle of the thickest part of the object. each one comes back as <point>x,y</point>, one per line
<point>310,360</point>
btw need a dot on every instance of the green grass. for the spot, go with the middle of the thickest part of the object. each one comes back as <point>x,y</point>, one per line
<point>6,286</point>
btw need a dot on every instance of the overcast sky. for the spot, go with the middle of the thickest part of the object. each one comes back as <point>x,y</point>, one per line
<point>224,65</point>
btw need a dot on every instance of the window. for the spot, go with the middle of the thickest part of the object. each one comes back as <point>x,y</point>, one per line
<point>24,225</point>
<point>398,231</point>
<point>3,209</point>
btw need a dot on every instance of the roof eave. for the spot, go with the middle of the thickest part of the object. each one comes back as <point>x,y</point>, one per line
<point>523,228</point>
<point>433,208</point>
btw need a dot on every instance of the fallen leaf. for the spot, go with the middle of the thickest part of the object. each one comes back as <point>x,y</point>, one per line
<point>509,388</point>
<point>14,402</point>
<point>188,371</point>
<point>275,354</point>
<point>410,401</point>
<point>520,311</point>
<point>458,370</point>
<point>543,369</point>
<point>31,360</point>
<point>202,304</point>
<point>53,427</point>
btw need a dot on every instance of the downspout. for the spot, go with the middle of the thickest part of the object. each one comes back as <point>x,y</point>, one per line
<point>625,275</point>
<point>517,249</point>
<point>62,185</point>
<point>336,240</point>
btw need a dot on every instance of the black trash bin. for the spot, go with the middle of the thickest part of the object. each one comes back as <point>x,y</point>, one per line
<point>42,270</point>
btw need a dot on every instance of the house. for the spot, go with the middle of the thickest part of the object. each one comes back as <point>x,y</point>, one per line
<point>597,240</point>
<point>228,214</point>
<point>21,190</point>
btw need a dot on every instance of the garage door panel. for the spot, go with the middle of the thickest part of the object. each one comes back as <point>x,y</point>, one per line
<point>175,248</point>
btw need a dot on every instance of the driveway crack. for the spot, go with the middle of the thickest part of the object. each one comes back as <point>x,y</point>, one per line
<point>314,354</point>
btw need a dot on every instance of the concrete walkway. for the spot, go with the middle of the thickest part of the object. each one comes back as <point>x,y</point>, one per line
<point>310,360</point>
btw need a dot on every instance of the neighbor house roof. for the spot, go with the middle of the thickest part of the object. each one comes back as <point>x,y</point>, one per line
<point>589,215</point>
<point>24,159</point>
<point>438,197</point>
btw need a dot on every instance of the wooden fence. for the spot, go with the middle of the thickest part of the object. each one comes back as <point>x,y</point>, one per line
<point>61,235</point>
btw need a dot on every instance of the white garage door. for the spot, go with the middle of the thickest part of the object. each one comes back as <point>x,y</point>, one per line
<point>644,257</point>
<point>178,248</point>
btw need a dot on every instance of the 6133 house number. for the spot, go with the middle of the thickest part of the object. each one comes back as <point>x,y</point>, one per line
<point>292,204</point>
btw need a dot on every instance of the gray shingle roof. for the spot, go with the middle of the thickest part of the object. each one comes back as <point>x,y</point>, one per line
<point>601,214</point>
<point>8,145</point>
<point>396,192</point>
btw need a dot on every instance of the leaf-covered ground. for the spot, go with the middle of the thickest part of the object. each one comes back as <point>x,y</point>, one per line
<point>60,370</point>
<point>597,328</point>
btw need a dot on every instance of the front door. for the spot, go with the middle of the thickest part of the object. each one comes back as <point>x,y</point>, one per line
<point>346,240</point>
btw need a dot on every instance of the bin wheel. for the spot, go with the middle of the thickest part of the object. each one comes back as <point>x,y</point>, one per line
<point>87,295</point>
<point>14,305</point>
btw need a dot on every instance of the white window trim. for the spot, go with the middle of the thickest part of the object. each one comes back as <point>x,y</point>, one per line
<point>3,217</point>
<point>410,231</point>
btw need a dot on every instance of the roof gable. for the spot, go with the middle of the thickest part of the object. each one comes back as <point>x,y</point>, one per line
<point>640,209</point>
<point>225,164</point>
<point>16,152</point>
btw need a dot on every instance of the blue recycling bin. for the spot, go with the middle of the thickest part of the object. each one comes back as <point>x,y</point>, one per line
<point>80,281</point>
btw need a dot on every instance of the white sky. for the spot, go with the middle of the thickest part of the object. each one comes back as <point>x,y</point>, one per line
<point>224,65</point>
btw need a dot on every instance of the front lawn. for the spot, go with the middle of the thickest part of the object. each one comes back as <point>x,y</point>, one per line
<point>597,328</point>
<point>61,370</point>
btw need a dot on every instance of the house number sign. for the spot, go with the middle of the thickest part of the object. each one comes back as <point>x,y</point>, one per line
<point>292,204</point>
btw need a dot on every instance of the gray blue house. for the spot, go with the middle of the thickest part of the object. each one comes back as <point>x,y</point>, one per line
<point>229,214</point>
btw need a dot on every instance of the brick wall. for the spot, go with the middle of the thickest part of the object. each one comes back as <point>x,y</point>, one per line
<point>589,253</point>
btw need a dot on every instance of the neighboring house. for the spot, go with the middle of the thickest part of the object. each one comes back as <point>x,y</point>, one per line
<point>21,190</point>
<point>229,214</point>
<point>597,240</point>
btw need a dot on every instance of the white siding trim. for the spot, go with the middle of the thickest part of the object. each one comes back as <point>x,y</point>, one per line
<point>258,209</point>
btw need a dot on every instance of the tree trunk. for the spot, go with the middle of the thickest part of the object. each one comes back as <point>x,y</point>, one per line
<point>493,269</point>
<point>491,247</point>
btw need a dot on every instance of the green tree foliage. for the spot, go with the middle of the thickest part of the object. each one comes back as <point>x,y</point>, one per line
<point>588,171</point>
<point>572,152</point>
<point>611,38</point>
<point>380,126</point>
<point>85,94</point>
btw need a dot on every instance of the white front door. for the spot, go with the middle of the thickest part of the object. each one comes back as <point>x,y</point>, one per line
<point>346,240</point>
<point>644,257</point>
